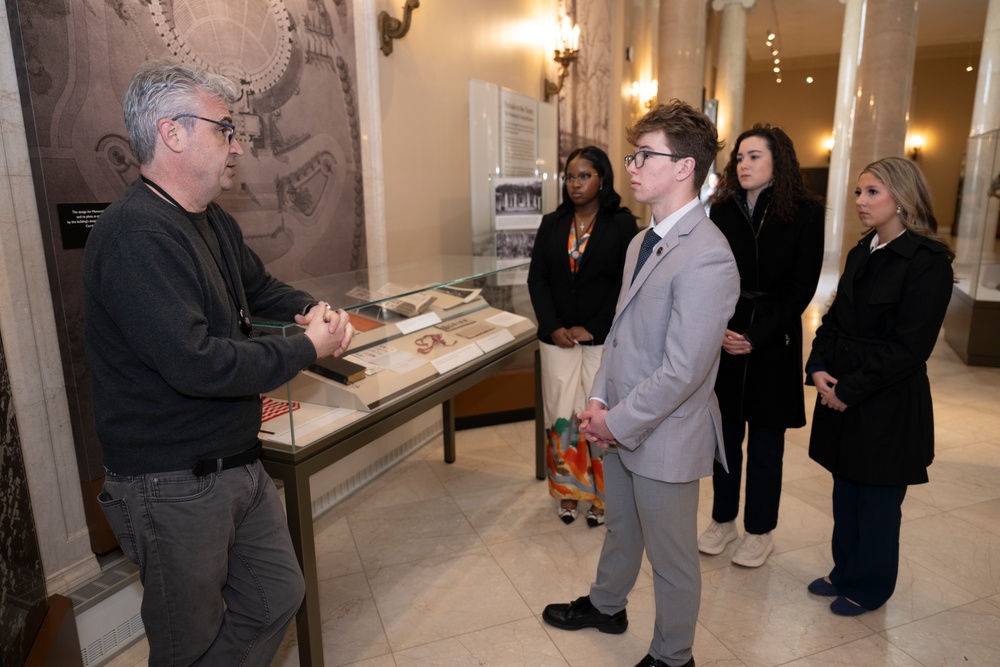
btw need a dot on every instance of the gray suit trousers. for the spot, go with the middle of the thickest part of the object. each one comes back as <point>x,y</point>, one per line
<point>662,518</point>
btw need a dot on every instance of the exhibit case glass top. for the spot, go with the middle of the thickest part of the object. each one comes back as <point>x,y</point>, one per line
<point>977,265</point>
<point>415,324</point>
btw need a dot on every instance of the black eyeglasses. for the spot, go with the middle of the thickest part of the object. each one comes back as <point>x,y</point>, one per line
<point>228,126</point>
<point>583,178</point>
<point>639,157</point>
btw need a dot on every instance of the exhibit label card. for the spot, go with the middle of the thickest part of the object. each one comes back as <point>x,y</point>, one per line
<point>455,359</point>
<point>493,341</point>
<point>505,319</point>
<point>419,322</point>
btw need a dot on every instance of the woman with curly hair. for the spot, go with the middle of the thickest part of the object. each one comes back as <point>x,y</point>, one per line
<point>574,279</point>
<point>873,424</point>
<point>775,229</point>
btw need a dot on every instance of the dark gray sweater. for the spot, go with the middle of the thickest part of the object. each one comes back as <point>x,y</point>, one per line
<point>174,378</point>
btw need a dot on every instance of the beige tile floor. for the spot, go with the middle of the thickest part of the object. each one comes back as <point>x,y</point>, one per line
<point>451,565</point>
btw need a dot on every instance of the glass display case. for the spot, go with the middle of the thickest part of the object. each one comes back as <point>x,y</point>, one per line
<point>426,332</point>
<point>414,323</point>
<point>973,318</point>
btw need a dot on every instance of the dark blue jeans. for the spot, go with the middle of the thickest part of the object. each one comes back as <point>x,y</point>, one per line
<point>221,583</point>
<point>765,451</point>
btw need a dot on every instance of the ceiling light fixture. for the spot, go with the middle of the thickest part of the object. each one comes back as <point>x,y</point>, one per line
<point>773,42</point>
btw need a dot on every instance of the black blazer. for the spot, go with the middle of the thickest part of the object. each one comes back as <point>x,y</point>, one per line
<point>589,299</point>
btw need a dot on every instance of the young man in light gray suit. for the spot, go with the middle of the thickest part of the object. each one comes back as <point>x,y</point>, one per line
<point>653,407</point>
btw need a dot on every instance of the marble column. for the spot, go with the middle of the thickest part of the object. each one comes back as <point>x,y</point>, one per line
<point>731,79</point>
<point>884,82</point>
<point>681,51</point>
<point>840,180</point>
<point>977,223</point>
<point>28,328</point>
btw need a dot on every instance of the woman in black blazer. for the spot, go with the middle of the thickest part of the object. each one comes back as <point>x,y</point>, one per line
<point>775,229</point>
<point>574,279</point>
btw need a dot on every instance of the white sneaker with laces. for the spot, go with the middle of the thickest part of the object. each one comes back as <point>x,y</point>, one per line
<point>753,550</point>
<point>715,538</point>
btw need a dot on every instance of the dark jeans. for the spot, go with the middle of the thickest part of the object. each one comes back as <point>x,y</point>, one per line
<point>765,450</point>
<point>221,583</point>
<point>866,522</point>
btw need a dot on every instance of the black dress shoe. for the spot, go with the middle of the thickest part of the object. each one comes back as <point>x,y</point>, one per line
<point>650,661</point>
<point>580,613</point>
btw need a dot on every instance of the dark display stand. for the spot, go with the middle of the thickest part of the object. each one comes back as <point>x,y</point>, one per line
<point>294,468</point>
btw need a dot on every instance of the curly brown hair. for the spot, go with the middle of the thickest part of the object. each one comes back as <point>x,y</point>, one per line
<point>787,187</point>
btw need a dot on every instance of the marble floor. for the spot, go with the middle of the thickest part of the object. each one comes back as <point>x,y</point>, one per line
<point>451,565</point>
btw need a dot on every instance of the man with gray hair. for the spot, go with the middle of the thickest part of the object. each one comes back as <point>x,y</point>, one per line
<point>169,287</point>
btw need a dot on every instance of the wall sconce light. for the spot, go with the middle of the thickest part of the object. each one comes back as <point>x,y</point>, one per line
<point>645,93</point>
<point>916,147</point>
<point>828,147</point>
<point>390,28</point>
<point>568,38</point>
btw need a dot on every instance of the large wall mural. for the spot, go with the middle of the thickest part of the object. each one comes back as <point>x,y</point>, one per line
<point>299,192</point>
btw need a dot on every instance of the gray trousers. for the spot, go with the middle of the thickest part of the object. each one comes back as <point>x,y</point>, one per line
<point>662,518</point>
<point>221,583</point>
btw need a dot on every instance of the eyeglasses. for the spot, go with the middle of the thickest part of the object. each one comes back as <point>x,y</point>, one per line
<point>583,178</point>
<point>639,157</point>
<point>228,126</point>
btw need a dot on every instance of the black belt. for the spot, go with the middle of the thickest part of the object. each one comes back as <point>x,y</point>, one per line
<point>208,466</point>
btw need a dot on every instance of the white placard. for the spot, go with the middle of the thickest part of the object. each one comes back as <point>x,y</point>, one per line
<point>518,134</point>
<point>383,356</point>
<point>419,322</point>
<point>493,341</point>
<point>457,358</point>
<point>505,319</point>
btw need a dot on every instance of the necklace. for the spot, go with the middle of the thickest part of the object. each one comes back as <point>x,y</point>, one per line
<point>581,229</point>
<point>580,236</point>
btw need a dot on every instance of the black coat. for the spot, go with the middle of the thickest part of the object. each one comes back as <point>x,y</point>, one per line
<point>779,268</point>
<point>589,299</point>
<point>875,340</point>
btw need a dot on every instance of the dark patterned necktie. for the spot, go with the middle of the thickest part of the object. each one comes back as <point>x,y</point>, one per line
<point>645,250</point>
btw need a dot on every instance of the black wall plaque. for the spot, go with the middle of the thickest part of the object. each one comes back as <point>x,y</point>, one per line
<point>76,221</point>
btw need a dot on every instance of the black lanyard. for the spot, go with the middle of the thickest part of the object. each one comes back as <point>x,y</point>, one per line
<point>244,322</point>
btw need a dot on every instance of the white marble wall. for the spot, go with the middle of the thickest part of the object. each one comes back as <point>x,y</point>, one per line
<point>27,327</point>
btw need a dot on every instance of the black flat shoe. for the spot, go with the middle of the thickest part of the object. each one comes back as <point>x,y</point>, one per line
<point>581,614</point>
<point>594,519</point>
<point>650,661</point>
<point>822,587</point>
<point>844,607</point>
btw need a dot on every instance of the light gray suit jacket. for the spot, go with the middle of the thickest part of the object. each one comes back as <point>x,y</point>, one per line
<point>662,354</point>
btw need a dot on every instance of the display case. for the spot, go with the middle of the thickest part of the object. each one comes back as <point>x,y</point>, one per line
<point>426,332</point>
<point>973,318</point>
<point>414,323</point>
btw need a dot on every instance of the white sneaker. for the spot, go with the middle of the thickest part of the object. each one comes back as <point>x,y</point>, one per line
<point>753,550</point>
<point>715,538</point>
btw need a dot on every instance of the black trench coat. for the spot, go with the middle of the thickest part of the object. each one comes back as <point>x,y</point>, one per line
<point>779,269</point>
<point>875,340</point>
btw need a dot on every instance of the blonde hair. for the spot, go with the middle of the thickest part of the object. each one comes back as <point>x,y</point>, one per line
<point>909,189</point>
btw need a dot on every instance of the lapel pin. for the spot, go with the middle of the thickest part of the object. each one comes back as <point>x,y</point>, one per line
<point>659,251</point>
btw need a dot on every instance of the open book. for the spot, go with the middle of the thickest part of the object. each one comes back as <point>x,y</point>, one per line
<point>409,305</point>
<point>449,296</point>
